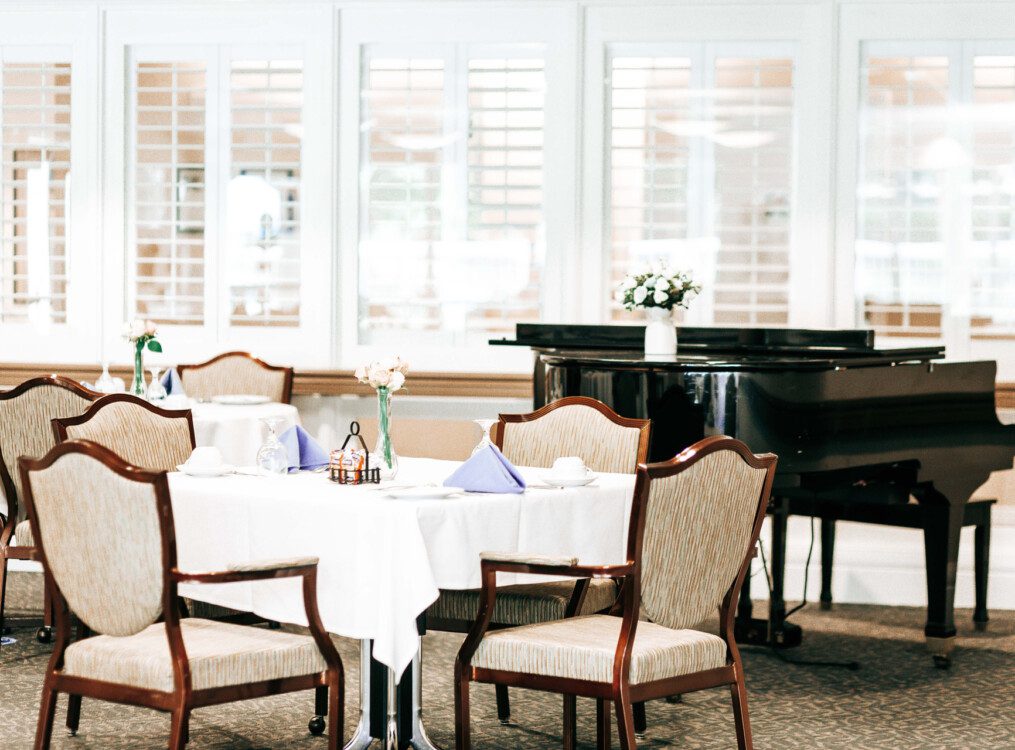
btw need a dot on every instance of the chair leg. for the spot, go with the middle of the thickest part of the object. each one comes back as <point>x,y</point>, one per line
<point>47,711</point>
<point>503,704</point>
<point>463,740</point>
<point>827,555</point>
<point>625,722</point>
<point>738,691</point>
<point>640,720</point>
<point>602,724</point>
<point>3,592</point>
<point>178,730</point>
<point>570,722</point>
<point>981,567</point>
<point>336,714</point>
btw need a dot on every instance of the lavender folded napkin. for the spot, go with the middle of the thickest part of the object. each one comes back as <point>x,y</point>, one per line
<point>304,452</point>
<point>172,383</point>
<point>487,471</point>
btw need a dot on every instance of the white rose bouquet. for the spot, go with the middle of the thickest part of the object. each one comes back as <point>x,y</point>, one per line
<point>385,376</point>
<point>657,286</point>
<point>143,335</point>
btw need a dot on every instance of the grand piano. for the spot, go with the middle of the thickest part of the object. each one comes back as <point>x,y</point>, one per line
<point>875,435</point>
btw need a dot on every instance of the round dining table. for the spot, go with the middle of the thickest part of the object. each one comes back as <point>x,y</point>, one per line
<point>238,430</point>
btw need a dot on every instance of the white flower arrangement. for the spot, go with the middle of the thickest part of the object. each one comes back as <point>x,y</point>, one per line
<point>656,285</point>
<point>143,334</point>
<point>386,373</point>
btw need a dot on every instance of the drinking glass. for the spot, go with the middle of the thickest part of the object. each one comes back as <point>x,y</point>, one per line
<point>106,383</point>
<point>272,456</point>
<point>156,391</point>
<point>485,425</point>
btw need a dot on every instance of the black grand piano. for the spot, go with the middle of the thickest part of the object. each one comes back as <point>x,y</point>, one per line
<point>886,436</point>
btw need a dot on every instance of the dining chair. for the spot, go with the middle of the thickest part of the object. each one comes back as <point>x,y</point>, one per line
<point>572,426</point>
<point>694,527</point>
<point>235,373</point>
<point>142,653</point>
<point>140,433</point>
<point>25,430</point>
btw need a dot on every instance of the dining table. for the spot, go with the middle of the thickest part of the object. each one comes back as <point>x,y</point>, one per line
<point>383,558</point>
<point>238,429</point>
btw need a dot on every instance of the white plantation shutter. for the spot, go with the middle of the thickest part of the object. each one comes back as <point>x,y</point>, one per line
<point>169,191</point>
<point>700,167</point>
<point>35,135</point>
<point>263,196</point>
<point>451,246</point>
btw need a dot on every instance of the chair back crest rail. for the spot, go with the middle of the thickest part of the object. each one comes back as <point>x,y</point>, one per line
<point>25,430</point>
<point>237,372</point>
<point>578,426</point>
<point>138,432</point>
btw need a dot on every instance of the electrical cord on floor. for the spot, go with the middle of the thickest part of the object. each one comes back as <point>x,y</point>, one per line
<point>778,652</point>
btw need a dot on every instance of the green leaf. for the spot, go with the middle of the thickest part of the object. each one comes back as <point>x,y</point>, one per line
<point>154,346</point>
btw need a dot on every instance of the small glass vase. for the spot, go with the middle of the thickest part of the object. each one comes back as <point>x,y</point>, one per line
<point>660,334</point>
<point>384,456</point>
<point>137,386</point>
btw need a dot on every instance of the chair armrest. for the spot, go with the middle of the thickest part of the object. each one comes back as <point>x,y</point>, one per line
<point>538,565</point>
<point>253,571</point>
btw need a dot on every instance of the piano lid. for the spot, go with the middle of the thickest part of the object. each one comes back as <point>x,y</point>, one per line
<point>793,342</point>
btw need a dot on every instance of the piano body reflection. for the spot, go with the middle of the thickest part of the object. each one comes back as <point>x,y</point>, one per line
<point>886,436</point>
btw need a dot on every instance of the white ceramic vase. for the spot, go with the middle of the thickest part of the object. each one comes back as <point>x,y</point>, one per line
<point>660,333</point>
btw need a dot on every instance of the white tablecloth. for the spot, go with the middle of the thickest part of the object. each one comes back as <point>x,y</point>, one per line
<point>237,431</point>
<point>382,560</point>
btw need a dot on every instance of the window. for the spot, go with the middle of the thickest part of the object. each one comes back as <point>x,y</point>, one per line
<point>935,247</point>
<point>35,145</point>
<point>700,170</point>
<point>451,245</point>
<point>189,267</point>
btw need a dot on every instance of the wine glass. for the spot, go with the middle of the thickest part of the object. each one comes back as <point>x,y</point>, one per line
<point>156,391</point>
<point>105,383</point>
<point>272,456</point>
<point>485,425</point>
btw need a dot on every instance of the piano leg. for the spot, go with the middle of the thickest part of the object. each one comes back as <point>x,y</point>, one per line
<point>827,553</point>
<point>981,565</point>
<point>942,524</point>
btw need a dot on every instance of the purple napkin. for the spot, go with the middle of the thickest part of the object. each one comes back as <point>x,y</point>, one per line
<point>304,452</point>
<point>172,383</point>
<point>487,471</point>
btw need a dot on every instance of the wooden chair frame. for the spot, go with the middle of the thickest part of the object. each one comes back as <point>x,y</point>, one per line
<point>60,425</point>
<point>7,552</point>
<point>287,387</point>
<point>183,698</point>
<point>644,425</point>
<point>620,691</point>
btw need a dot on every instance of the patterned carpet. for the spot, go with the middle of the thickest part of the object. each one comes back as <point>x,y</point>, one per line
<point>896,701</point>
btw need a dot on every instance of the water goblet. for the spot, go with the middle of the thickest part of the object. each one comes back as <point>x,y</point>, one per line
<point>272,456</point>
<point>156,391</point>
<point>485,425</point>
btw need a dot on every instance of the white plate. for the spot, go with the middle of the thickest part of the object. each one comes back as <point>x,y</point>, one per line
<point>424,493</point>
<point>240,399</point>
<point>214,471</point>
<point>569,482</point>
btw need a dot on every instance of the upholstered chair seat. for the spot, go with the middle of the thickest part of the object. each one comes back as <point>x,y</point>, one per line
<point>23,533</point>
<point>220,654</point>
<point>525,603</point>
<point>584,648</point>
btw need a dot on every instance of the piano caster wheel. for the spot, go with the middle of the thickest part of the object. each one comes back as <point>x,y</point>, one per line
<point>640,736</point>
<point>942,662</point>
<point>273,625</point>
<point>678,698</point>
<point>44,635</point>
<point>505,722</point>
<point>980,627</point>
<point>825,606</point>
<point>316,726</point>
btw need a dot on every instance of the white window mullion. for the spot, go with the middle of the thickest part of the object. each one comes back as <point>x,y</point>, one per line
<point>217,161</point>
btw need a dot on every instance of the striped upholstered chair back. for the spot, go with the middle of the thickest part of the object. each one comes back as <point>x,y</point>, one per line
<point>236,372</point>
<point>139,433</point>
<point>81,492</point>
<point>575,426</point>
<point>699,526</point>
<point>25,429</point>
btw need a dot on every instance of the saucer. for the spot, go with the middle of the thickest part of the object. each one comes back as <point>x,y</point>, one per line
<point>569,481</point>
<point>424,493</point>
<point>205,471</point>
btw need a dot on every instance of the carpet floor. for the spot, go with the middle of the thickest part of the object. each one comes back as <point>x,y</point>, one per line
<point>897,700</point>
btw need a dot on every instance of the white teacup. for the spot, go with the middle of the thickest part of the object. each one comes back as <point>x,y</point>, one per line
<point>205,458</point>
<point>569,467</point>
